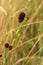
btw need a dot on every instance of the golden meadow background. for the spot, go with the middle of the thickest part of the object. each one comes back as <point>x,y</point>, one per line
<point>26,38</point>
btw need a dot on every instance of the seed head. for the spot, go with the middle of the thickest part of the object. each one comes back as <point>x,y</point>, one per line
<point>6,45</point>
<point>21,17</point>
<point>0,55</point>
<point>10,47</point>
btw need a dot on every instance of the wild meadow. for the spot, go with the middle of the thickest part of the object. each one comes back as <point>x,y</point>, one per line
<point>21,32</point>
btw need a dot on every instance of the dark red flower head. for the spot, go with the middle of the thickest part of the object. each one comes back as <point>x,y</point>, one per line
<point>10,47</point>
<point>0,55</point>
<point>21,17</point>
<point>6,45</point>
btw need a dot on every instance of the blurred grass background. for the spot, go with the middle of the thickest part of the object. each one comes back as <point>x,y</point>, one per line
<point>26,38</point>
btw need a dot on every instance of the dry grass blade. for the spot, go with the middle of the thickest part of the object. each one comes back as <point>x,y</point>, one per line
<point>3,10</point>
